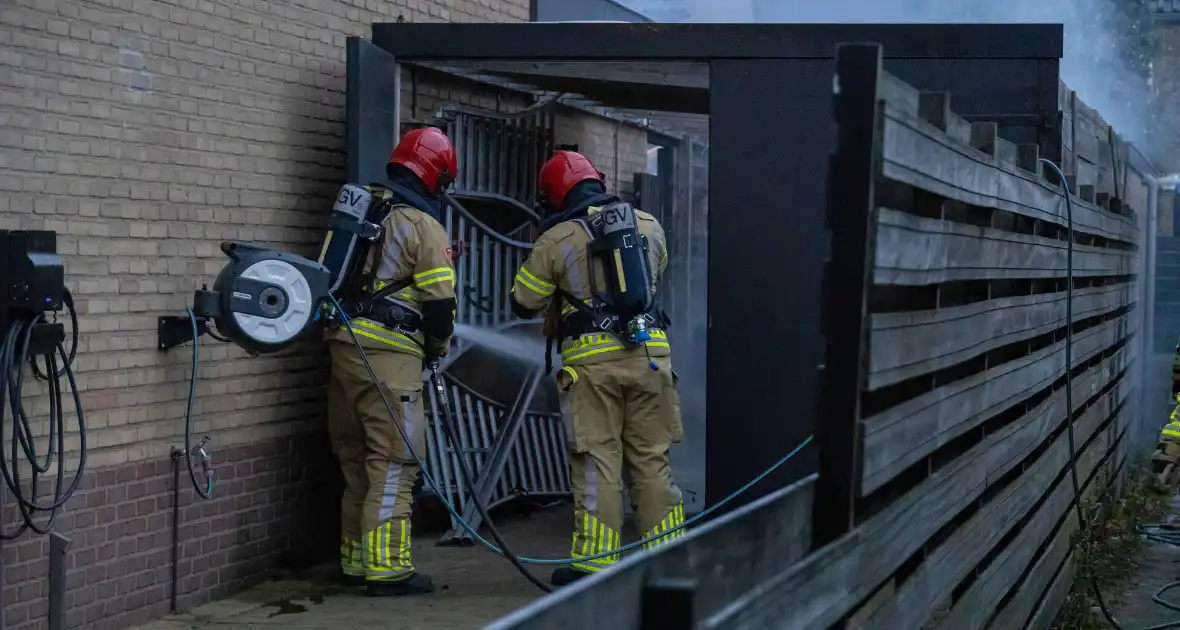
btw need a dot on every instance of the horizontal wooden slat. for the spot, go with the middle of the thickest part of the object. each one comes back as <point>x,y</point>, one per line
<point>915,153</point>
<point>1054,598</point>
<point>1036,586</point>
<point>933,582</point>
<point>902,435</point>
<point>913,250</point>
<point>908,344</point>
<point>975,607</point>
<point>725,557</point>
<point>898,94</point>
<point>816,592</point>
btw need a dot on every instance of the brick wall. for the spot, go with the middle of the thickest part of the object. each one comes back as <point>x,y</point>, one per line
<point>263,513</point>
<point>618,150</point>
<point>145,132</point>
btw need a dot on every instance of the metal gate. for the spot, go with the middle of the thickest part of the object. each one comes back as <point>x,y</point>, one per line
<point>502,152</point>
<point>511,450</point>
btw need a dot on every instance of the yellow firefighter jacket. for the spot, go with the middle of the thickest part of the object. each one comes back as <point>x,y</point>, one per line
<point>416,248</point>
<point>561,259</point>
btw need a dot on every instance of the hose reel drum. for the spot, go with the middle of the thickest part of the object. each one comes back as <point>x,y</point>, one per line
<point>264,300</point>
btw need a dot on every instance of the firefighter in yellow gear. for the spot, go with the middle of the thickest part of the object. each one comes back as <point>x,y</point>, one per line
<point>619,401</point>
<point>402,307</point>
<point>1165,461</point>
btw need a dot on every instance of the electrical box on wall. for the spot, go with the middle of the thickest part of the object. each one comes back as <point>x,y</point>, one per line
<point>32,280</point>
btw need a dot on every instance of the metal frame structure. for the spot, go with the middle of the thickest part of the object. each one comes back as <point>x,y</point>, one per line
<point>781,362</point>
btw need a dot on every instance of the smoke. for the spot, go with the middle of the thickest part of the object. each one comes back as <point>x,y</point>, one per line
<point>1107,49</point>
<point>1106,54</point>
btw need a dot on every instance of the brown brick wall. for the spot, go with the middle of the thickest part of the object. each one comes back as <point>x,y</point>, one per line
<point>601,140</point>
<point>268,500</point>
<point>145,132</point>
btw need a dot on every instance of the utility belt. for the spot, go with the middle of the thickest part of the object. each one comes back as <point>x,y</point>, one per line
<point>394,315</point>
<point>380,306</point>
<point>598,320</point>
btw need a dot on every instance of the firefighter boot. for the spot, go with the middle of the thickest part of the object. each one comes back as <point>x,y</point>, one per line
<point>416,584</point>
<point>389,569</point>
<point>567,575</point>
<point>352,570</point>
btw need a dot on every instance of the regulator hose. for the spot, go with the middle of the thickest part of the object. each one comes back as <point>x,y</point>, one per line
<point>1073,461</point>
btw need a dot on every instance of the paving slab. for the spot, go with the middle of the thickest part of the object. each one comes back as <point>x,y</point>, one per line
<point>1133,607</point>
<point>474,587</point>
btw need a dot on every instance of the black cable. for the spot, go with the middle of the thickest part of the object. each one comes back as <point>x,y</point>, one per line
<point>1073,459</point>
<point>464,469</point>
<point>15,352</point>
<point>68,300</point>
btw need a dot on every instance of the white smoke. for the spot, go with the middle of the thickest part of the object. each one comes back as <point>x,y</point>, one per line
<point>1103,61</point>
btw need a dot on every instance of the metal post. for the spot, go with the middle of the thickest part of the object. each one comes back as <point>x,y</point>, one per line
<point>489,474</point>
<point>846,281</point>
<point>58,545</point>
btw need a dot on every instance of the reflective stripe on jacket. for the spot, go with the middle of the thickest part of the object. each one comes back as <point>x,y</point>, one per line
<point>414,247</point>
<point>560,259</point>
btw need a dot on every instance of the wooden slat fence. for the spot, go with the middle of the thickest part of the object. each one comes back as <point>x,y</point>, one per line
<point>961,512</point>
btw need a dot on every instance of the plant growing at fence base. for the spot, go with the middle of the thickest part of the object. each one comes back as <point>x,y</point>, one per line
<point>1108,549</point>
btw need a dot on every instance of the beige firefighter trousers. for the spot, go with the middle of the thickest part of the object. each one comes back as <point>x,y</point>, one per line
<point>620,416</point>
<point>379,472</point>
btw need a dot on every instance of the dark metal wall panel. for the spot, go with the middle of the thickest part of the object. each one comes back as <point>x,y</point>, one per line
<point>598,41</point>
<point>372,110</point>
<point>770,134</point>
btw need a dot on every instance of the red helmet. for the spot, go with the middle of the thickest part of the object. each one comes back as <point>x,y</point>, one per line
<point>562,172</point>
<point>429,154</point>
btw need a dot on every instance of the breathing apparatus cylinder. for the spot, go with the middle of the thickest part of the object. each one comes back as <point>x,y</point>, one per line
<point>347,226</point>
<point>623,251</point>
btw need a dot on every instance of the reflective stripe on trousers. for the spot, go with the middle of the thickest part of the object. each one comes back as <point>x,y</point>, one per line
<point>350,557</point>
<point>591,539</point>
<point>674,519</point>
<point>386,551</point>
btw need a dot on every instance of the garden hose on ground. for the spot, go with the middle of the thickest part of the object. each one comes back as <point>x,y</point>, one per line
<point>1073,461</point>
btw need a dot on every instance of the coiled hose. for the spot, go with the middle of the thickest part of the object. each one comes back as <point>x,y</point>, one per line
<point>15,352</point>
